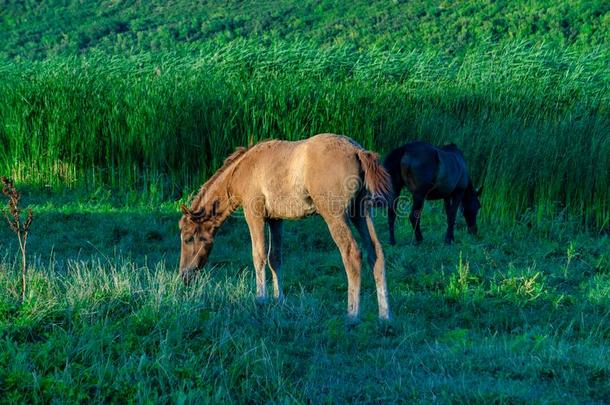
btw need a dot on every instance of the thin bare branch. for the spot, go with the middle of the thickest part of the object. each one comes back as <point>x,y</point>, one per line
<point>13,217</point>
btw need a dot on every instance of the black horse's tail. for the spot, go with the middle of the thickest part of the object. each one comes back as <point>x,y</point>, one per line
<point>392,166</point>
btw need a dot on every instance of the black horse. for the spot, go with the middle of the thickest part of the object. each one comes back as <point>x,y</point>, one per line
<point>432,173</point>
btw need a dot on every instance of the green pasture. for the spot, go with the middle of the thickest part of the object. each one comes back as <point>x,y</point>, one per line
<point>511,316</point>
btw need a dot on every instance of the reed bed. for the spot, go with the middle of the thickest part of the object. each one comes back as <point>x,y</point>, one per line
<point>534,122</point>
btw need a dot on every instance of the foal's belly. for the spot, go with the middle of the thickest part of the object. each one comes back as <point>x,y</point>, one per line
<point>287,197</point>
<point>289,207</point>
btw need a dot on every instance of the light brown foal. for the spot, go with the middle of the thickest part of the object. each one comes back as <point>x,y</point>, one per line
<point>329,175</point>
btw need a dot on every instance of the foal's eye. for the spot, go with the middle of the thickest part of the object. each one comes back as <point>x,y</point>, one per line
<point>201,239</point>
<point>190,240</point>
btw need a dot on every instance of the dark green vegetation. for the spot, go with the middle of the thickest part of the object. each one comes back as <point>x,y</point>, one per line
<point>116,108</point>
<point>533,123</point>
<point>36,30</point>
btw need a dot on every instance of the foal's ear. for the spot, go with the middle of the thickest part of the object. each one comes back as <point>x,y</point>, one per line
<point>184,210</point>
<point>479,191</point>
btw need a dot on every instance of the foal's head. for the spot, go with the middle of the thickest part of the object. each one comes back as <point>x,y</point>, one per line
<point>470,207</point>
<point>197,231</point>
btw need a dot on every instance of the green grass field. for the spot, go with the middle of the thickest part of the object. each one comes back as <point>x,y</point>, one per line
<point>511,316</point>
<point>113,112</point>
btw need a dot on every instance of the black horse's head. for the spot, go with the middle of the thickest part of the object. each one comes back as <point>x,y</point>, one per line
<point>470,207</point>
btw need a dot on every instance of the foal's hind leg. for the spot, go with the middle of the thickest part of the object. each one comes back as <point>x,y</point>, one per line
<point>342,235</point>
<point>275,256</point>
<point>364,225</point>
<point>392,205</point>
<point>415,217</point>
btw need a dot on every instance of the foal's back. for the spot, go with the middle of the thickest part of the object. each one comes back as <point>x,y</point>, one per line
<point>292,175</point>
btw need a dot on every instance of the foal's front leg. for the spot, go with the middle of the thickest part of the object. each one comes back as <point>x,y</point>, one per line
<point>275,256</point>
<point>256,225</point>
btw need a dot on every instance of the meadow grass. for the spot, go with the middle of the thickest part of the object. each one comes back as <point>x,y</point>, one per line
<point>515,315</point>
<point>533,121</point>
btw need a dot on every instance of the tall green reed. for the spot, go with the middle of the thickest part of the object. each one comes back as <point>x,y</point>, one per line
<point>533,122</point>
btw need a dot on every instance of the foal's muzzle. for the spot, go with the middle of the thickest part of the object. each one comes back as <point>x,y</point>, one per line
<point>188,275</point>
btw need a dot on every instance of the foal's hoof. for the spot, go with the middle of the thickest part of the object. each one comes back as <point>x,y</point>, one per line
<point>351,322</point>
<point>261,301</point>
<point>386,327</point>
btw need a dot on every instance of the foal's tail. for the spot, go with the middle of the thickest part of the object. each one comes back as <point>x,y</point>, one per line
<point>376,178</point>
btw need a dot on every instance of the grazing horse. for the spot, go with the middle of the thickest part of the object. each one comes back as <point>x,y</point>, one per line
<point>327,174</point>
<point>432,173</point>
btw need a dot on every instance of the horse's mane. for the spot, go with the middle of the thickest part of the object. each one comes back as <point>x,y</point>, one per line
<point>239,152</point>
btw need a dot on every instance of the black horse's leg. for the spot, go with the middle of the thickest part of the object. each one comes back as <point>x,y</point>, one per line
<point>451,205</point>
<point>415,217</point>
<point>392,212</point>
